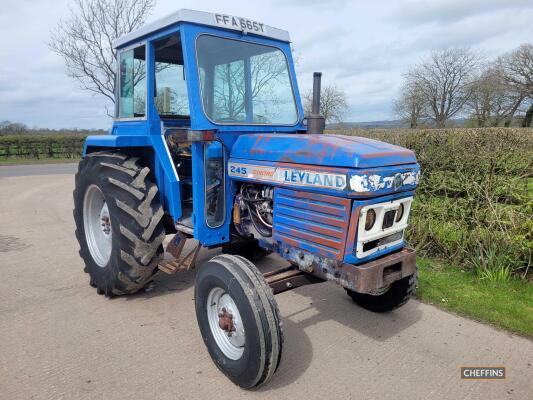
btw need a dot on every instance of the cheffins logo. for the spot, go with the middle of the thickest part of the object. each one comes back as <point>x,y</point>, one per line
<point>483,372</point>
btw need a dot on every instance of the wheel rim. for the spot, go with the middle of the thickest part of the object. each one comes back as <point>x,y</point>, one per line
<point>97,225</point>
<point>225,323</point>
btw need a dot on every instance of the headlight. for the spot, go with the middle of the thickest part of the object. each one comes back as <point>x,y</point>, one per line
<point>370,219</point>
<point>399,212</point>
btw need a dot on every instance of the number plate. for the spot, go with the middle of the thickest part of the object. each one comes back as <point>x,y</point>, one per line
<point>388,219</point>
<point>242,24</point>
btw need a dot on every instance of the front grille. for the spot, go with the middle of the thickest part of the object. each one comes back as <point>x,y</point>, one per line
<point>388,229</point>
<point>383,241</point>
<point>314,222</point>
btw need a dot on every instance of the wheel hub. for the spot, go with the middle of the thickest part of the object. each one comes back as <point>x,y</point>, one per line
<point>105,220</point>
<point>225,323</point>
<point>97,225</point>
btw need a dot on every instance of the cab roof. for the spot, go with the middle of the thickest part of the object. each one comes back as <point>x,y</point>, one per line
<point>217,20</point>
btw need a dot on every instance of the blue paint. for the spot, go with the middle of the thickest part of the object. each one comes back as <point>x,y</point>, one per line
<point>115,141</point>
<point>315,223</point>
<point>268,145</point>
<point>324,150</point>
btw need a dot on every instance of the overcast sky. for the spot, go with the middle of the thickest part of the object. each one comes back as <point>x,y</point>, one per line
<point>362,46</point>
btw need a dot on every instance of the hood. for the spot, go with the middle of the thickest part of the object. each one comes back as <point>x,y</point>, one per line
<point>324,150</point>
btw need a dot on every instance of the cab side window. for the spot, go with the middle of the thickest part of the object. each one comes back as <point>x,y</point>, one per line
<point>215,204</point>
<point>132,83</point>
<point>171,98</point>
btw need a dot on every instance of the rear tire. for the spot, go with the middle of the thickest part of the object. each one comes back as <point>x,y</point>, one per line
<point>122,259</point>
<point>396,296</point>
<point>249,351</point>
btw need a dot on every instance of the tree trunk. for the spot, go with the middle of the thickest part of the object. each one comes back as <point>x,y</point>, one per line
<point>509,119</point>
<point>413,123</point>
<point>528,119</point>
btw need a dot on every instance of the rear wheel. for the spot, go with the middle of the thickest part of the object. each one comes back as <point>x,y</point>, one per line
<point>118,222</point>
<point>239,320</point>
<point>388,298</point>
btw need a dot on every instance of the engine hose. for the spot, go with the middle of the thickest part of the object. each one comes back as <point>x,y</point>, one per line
<point>261,218</point>
<point>260,230</point>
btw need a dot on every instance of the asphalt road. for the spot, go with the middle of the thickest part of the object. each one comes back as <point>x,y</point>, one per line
<point>37,169</point>
<point>60,340</point>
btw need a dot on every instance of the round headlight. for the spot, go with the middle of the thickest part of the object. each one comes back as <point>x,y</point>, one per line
<point>370,219</point>
<point>399,212</point>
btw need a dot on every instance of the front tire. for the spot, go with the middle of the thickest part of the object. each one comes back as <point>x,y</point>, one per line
<point>239,320</point>
<point>118,222</point>
<point>394,297</point>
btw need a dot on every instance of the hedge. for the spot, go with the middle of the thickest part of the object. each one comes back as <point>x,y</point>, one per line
<point>41,146</point>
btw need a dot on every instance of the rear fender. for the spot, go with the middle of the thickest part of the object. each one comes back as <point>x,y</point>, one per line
<point>98,143</point>
<point>154,151</point>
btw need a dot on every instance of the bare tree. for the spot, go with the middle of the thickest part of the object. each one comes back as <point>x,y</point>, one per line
<point>517,71</point>
<point>489,102</point>
<point>493,101</point>
<point>445,81</point>
<point>333,103</point>
<point>10,128</point>
<point>85,39</point>
<point>411,106</point>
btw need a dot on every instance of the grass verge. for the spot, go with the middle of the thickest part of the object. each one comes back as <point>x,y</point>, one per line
<point>27,161</point>
<point>507,305</point>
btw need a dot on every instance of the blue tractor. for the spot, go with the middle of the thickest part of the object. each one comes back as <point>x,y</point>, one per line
<point>210,143</point>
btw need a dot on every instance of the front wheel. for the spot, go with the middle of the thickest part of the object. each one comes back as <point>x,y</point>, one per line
<point>388,298</point>
<point>239,320</point>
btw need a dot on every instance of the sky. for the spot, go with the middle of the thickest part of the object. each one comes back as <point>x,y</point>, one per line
<point>363,47</point>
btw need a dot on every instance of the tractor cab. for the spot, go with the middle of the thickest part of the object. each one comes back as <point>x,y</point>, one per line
<point>188,86</point>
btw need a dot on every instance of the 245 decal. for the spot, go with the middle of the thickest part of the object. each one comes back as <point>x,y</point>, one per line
<point>235,169</point>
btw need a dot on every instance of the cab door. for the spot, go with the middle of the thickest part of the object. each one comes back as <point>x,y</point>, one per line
<point>212,198</point>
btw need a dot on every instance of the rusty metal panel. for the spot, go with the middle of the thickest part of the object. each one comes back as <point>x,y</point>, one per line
<point>314,222</point>
<point>371,275</point>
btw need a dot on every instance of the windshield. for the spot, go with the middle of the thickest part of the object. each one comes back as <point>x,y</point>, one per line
<point>245,83</point>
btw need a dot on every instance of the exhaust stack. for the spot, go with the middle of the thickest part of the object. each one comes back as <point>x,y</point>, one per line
<point>315,121</point>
